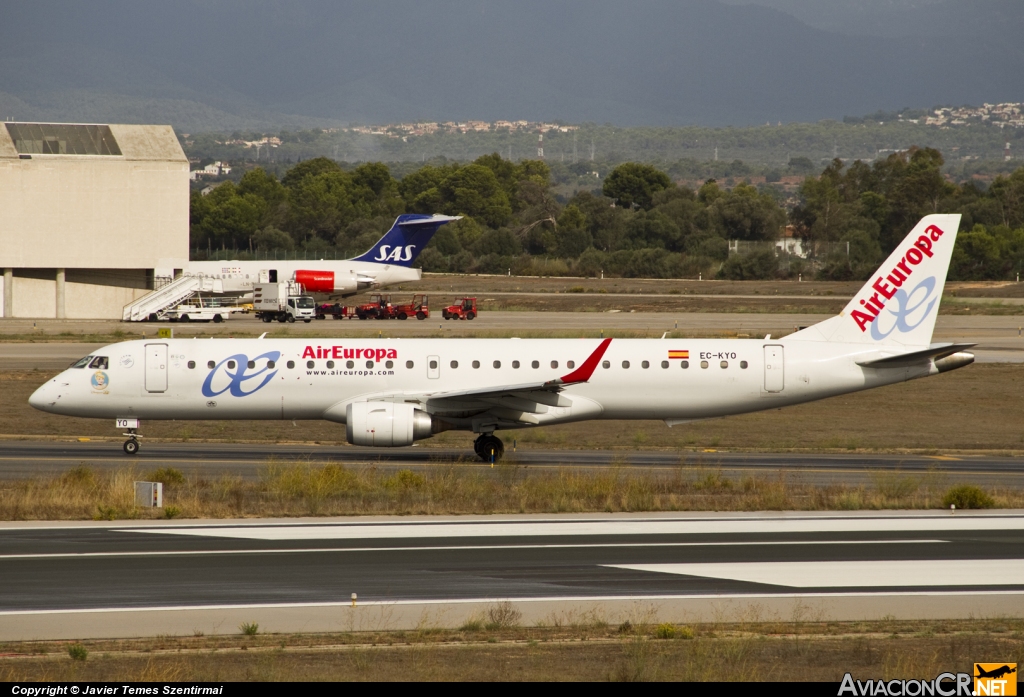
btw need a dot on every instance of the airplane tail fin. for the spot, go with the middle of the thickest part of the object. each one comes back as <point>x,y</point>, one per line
<point>899,303</point>
<point>406,239</point>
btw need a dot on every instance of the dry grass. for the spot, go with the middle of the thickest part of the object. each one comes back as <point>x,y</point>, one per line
<point>976,408</point>
<point>590,650</point>
<point>305,489</point>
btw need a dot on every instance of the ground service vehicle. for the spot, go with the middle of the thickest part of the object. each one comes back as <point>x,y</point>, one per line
<point>284,302</point>
<point>336,310</point>
<point>198,309</point>
<point>464,308</point>
<point>418,308</point>
<point>379,307</point>
<point>392,392</point>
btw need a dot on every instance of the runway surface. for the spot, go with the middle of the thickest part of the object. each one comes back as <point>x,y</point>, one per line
<point>930,563</point>
<point>22,459</point>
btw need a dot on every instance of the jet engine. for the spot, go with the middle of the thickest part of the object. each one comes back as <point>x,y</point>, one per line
<point>385,424</point>
<point>332,283</point>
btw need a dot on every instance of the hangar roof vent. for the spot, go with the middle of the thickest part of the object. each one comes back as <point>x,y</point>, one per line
<point>62,139</point>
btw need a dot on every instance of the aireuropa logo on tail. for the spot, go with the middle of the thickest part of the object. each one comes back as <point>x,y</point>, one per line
<point>913,305</point>
<point>233,374</point>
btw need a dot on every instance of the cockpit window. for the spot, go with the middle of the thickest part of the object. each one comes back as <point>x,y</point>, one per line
<point>100,363</point>
<point>82,362</point>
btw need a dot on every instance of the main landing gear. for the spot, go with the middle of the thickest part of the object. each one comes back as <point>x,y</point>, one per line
<point>489,447</point>
<point>131,446</point>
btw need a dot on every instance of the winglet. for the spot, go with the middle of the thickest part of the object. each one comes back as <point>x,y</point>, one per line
<point>583,373</point>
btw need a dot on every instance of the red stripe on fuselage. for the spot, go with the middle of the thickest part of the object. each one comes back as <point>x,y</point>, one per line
<point>583,373</point>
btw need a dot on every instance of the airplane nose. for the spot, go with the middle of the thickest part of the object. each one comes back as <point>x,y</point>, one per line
<point>45,397</point>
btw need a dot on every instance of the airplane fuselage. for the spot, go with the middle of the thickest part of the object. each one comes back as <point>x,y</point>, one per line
<point>316,379</point>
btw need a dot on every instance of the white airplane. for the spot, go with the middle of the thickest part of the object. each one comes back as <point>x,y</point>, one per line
<point>386,263</point>
<point>392,392</point>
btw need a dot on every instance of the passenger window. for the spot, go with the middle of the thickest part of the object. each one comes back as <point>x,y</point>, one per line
<point>535,364</point>
<point>369,365</point>
<point>291,365</point>
<point>476,364</point>
<point>743,365</point>
<point>455,364</point>
<point>231,365</point>
<point>554,364</point>
<point>409,364</point>
<point>570,364</point>
<point>191,365</point>
<point>606,364</point>
<point>515,364</point>
<point>100,363</point>
<point>330,364</point>
<point>389,364</point>
<point>664,364</point>
<point>310,364</point>
<point>82,363</point>
<point>725,364</point>
<point>251,364</point>
<point>625,364</point>
<point>433,365</point>
<point>645,365</point>
<point>497,364</point>
<point>211,365</point>
<point>703,364</point>
<point>271,365</point>
<point>684,365</point>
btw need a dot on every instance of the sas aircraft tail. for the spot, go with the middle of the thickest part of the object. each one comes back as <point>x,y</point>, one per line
<point>406,239</point>
<point>898,305</point>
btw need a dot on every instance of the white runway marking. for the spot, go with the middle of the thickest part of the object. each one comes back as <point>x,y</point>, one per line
<point>448,548</point>
<point>854,574</point>
<point>358,531</point>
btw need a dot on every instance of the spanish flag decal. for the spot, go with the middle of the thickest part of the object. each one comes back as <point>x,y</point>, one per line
<point>679,354</point>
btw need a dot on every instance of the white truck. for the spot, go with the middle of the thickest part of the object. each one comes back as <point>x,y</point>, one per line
<point>284,302</point>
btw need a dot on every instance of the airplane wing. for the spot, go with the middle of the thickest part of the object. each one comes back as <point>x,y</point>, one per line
<point>515,403</point>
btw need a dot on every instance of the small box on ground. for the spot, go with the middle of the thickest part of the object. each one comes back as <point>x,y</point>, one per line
<point>149,494</point>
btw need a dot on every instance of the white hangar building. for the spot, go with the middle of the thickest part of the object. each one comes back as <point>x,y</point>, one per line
<point>90,216</point>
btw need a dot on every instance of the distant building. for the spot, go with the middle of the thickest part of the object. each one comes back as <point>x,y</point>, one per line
<point>90,215</point>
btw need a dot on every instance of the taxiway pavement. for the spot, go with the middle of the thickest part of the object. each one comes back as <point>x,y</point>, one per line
<point>21,459</point>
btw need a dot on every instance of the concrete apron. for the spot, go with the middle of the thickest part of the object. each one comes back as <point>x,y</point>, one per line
<point>413,615</point>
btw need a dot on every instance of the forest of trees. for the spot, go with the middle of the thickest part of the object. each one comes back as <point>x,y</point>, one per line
<point>638,224</point>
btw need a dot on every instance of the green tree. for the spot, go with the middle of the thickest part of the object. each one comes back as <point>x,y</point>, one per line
<point>632,184</point>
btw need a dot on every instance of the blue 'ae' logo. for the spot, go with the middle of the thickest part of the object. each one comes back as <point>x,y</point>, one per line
<point>908,312</point>
<point>233,379</point>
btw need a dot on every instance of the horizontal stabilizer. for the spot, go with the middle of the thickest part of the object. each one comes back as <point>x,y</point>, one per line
<point>933,352</point>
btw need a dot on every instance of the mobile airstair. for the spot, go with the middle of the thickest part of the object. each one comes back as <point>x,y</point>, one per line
<point>169,296</point>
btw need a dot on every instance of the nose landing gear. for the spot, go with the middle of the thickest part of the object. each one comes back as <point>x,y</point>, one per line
<point>131,446</point>
<point>489,447</point>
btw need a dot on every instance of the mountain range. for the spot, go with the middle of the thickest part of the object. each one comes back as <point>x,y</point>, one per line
<point>267,64</point>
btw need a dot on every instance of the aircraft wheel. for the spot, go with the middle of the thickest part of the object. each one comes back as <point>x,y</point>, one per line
<point>131,447</point>
<point>421,315</point>
<point>489,444</point>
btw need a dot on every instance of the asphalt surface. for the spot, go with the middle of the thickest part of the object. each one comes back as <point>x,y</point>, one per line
<point>527,557</point>
<point>23,459</point>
